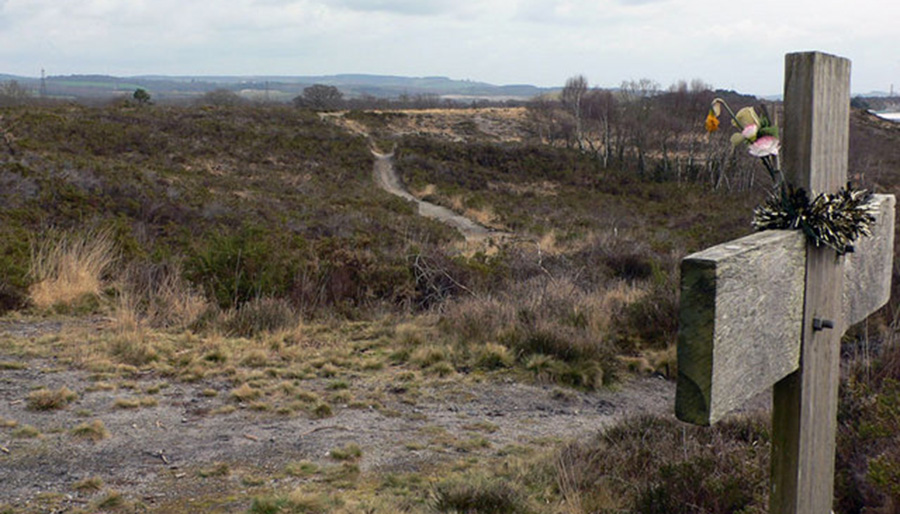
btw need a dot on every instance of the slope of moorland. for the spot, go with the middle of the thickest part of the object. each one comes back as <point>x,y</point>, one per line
<point>250,202</point>
<point>216,309</point>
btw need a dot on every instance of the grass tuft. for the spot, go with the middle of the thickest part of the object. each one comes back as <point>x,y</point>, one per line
<point>112,501</point>
<point>88,485</point>
<point>46,399</point>
<point>218,469</point>
<point>26,432</point>
<point>245,393</point>
<point>93,431</point>
<point>67,269</point>
<point>303,468</point>
<point>321,410</point>
<point>350,452</point>
<point>478,495</point>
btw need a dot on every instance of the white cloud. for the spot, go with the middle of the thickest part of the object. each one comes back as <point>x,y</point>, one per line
<point>402,7</point>
<point>732,45</point>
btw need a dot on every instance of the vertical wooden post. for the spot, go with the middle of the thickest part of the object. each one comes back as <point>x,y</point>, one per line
<point>804,417</point>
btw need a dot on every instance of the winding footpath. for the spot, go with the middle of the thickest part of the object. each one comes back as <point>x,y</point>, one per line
<point>386,176</point>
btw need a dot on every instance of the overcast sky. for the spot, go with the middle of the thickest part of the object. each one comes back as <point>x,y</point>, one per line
<point>735,45</point>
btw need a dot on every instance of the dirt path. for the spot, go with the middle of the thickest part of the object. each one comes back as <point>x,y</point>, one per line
<point>386,176</point>
<point>156,454</point>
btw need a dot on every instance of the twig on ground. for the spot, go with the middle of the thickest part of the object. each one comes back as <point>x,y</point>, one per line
<point>329,427</point>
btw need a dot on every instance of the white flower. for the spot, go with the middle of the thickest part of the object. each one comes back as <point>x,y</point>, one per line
<point>765,146</point>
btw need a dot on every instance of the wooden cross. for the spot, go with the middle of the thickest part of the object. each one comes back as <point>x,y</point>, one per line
<point>769,310</point>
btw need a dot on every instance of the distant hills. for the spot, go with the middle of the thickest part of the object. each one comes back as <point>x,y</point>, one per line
<point>284,88</point>
<point>275,88</point>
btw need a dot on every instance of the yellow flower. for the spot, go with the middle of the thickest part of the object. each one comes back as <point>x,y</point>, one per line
<point>746,116</point>
<point>712,123</point>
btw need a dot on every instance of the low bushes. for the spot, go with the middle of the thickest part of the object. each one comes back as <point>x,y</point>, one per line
<point>251,202</point>
<point>868,446</point>
<point>555,329</point>
<point>655,465</point>
<point>476,494</point>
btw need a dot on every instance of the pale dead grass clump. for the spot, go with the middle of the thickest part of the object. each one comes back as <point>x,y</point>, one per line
<point>137,345</point>
<point>89,485</point>
<point>484,216</point>
<point>428,190</point>
<point>262,316</point>
<point>46,399</point>
<point>93,431</point>
<point>151,296</point>
<point>68,268</point>
<point>245,392</point>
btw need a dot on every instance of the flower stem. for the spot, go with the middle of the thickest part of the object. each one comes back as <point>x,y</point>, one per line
<point>724,104</point>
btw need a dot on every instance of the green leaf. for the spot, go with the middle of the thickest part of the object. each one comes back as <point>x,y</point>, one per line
<point>771,130</point>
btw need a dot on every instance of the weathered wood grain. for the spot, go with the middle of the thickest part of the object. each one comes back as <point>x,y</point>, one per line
<point>804,418</point>
<point>867,271</point>
<point>741,316</point>
<point>741,307</point>
<point>749,307</point>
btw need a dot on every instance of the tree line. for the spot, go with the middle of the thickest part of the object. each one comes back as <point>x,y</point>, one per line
<point>640,127</point>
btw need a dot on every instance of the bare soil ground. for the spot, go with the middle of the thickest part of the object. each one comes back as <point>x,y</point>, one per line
<point>162,455</point>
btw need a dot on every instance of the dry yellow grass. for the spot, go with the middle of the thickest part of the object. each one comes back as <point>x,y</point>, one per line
<point>484,216</point>
<point>68,268</point>
<point>167,302</point>
<point>93,431</point>
<point>428,190</point>
<point>46,399</point>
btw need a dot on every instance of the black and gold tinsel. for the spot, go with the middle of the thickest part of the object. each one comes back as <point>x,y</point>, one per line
<point>835,220</point>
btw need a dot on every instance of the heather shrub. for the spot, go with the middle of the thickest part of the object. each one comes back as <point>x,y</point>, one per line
<point>867,475</point>
<point>237,267</point>
<point>553,327</point>
<point>14,266</point>
<point>477,494</point>
<point>658,465</point>
<point>258,316</point>
<point>651,321</point>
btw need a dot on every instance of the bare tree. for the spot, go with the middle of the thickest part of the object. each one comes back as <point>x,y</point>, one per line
<point>637,96</point>
<point>599,110</point>
<point>12,93</point>
<point>573,101</point>
<point>547,122</point>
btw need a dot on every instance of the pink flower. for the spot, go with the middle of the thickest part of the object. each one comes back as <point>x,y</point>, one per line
<point>765,146</point>
<point>749,132</point>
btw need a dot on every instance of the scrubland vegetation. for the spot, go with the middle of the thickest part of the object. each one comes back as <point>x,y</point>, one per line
<point>246,244</point>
